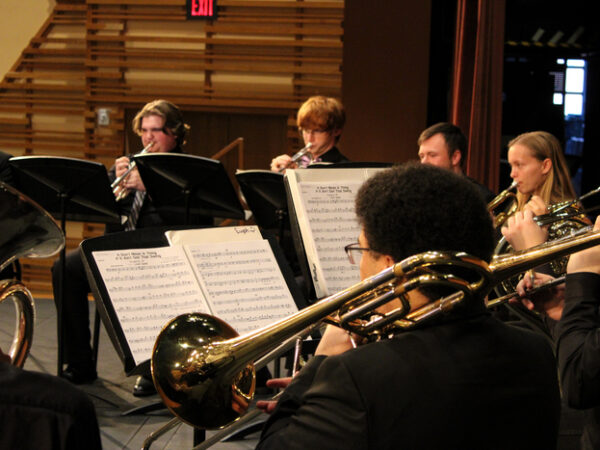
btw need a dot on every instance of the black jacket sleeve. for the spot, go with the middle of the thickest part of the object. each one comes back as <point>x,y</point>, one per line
<point>578,333</point>
<point>321,409</point>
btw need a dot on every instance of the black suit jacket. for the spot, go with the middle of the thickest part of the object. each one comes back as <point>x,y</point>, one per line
<point>470,382</point>
<point>578,339</point>
<point>43,411</point>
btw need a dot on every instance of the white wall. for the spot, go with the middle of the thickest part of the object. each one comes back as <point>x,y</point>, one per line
<point>20,20</point>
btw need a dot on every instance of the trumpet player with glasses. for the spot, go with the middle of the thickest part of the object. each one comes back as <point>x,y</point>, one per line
<point>320,122</point>
<point>161,128</point>
<point>460,380</point>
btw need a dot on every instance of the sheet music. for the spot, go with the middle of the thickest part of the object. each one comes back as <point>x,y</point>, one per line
<point>243,282</point>
<point>323,203</point>
<point>147,288</point>
<point>329,208</point>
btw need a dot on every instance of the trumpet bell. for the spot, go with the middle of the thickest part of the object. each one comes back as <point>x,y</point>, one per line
<point>187,369</point>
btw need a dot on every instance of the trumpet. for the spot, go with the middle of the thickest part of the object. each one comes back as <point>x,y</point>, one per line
<point>120,192</point>
<point>199,364</point>
<point>502,197</point>
<point>299,154</point>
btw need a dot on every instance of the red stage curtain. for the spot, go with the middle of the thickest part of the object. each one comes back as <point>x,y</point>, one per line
<point>476,103</point>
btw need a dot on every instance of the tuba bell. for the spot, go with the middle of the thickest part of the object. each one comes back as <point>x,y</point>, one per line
<point>26,230</point>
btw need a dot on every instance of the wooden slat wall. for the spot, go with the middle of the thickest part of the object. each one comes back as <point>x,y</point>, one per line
<point>263,57</point>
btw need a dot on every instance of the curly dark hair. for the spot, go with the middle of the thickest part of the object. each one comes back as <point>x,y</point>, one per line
<point>412,208</point>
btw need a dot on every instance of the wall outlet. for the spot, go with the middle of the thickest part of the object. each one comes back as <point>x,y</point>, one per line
<point>103,117</point>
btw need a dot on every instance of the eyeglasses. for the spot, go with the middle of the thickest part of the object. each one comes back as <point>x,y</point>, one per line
<point>315,132</point>
<point>354,252</point>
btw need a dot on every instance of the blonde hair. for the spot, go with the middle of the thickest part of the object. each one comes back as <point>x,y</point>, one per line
<point>557,186</point>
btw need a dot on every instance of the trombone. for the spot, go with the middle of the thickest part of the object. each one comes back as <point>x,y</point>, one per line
<point>199,364</point>
<point>120,192</point>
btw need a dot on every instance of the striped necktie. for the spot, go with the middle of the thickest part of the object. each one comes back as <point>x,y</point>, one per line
<point>138,201</point>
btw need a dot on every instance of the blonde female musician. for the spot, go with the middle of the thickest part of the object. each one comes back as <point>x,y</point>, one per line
<point>540,170</point>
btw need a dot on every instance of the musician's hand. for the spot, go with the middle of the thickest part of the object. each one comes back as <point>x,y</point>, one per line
<point>238,403</point>
<point>334,341</point>
<point>282,162</point>
<point>536,205</point>
<point>522,232</point>
<point>548,301</point>
<point>134,181</point>
<point>121,165</point>
<point>267,406</point>
<point>586,260</point>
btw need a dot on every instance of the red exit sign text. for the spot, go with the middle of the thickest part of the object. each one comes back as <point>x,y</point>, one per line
<point>201,9</point>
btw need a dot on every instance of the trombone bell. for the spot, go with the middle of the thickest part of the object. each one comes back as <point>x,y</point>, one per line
<point>197,388</point>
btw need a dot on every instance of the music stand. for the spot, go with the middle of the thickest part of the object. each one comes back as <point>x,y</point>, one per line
<point>148,238</point>
<point>69,189</point>
<point>184,185</point>
<point>265,195</point>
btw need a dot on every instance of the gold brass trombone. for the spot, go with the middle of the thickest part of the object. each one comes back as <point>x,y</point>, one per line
<point>120,192</point>
<point>200,366</point>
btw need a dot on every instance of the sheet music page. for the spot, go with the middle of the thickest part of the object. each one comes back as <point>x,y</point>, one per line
<point>147,288</point>
<point>243,282</point>
<point>323,201</point>
<point>329,208</point>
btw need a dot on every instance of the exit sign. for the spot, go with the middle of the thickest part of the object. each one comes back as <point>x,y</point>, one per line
<point>201,9</point>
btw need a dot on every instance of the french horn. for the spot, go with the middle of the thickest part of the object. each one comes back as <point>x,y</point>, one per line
<point>26,230</point>
<point>563,219</point>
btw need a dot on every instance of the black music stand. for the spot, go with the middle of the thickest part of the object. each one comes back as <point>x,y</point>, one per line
<point>148,238</point>
<point>184,185</point>
<point>265,195</point>
<point>69,189</point>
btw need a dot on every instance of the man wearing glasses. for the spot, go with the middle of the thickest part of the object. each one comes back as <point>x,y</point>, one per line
<point>462,379</point>
<point>320,121</point>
